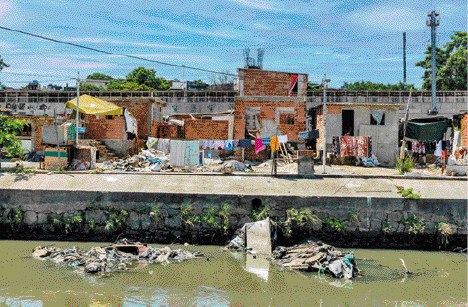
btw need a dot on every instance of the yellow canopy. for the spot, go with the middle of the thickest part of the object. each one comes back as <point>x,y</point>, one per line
<point>94,106</point>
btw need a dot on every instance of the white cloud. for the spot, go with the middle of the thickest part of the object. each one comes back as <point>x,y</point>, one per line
<point>389,18</point>
<point>390,60</point>
<point>5,7</point>
<point>119,42</point>
<point>260,4</point>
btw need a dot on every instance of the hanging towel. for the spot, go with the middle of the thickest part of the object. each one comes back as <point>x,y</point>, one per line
<point>228,145</point>
<point>259,146</point>
<point>245,143</point>
<point>266,141</point>
<point>218,145</point>
<point>438,151</point>
<point>414,146</point>
<point>283,139</point>
<point>274,144</point>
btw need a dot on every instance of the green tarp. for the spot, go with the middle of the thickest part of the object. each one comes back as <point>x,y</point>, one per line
<point>426,131</point>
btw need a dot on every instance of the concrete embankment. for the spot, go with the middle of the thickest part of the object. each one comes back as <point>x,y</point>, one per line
<point>163,208</point>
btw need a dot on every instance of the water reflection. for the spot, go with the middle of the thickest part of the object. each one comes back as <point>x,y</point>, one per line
<point>257,265</point>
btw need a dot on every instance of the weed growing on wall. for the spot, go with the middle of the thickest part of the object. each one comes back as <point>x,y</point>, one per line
<point>115,219</point>
<point>301,218</point>
<point>216,218</point>
<point>404,165</point>
<point>444,229</point>
<point>335,224</point>
<point>408,193</point>
<point>261,213</point>
<point>386,227</point>
<point>354,218</point>
<point>413,223</point>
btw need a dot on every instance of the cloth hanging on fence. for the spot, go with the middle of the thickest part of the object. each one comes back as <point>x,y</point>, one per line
<point>421,148</point>
<point>357,146</point>
<point>266,141</point>
<point>414,146</point>
<point>336,146</point>
<point>229,145</point>
<point>192,155</point>
<point>274,144</point>
<point>207,144</point>
<point>259,146</point>
<point>283,139</point>
<point>177,156</point>
<point>235,144</point>
<point>245,143</point>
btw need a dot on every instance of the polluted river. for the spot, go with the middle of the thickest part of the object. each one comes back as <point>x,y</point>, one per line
<point>213,276</point>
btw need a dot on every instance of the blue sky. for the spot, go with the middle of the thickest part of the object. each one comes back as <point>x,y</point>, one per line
<point>349,41</point>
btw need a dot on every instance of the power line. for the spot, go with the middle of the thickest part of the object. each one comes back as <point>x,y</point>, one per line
<point>111,53</point>
<point>32,75</point>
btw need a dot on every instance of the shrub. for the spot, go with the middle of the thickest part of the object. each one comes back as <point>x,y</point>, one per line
<point>444,229</point>
<point>334,224</point>
<point>386,227</point>
<point>404,165</point>
<point>301,217</point>
<point>413,223</point>
<point>261,213</point>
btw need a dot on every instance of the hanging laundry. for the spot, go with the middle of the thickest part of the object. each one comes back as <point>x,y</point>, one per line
<point>192,153</point>
<point>130,123</point>
<point>414,146</point>
<point>245,143</point>
<point>236,144</point>
<point>266,141</point>
<point>229,145</point>
<point>283,139</point>
<point>421,148</point>
<point>218,144</point>
<point>259,146</point>
<point>438,151</point>
<point>274,144</point>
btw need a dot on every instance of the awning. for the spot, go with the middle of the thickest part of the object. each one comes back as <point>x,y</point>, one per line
<point>426,131</point>
<point>94,106</point>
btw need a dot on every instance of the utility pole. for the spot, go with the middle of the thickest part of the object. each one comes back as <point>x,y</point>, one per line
<point>404,58</point>
<point>77,106</point>
<point>433,22</point>
<point>324,140</point>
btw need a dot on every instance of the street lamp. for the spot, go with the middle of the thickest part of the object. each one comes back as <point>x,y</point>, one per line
<point>324,137</point>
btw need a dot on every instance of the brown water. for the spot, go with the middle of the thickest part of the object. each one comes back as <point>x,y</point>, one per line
<point>439,279</point>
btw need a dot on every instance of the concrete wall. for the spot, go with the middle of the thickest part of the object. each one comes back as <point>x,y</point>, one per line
<point>120,147</point>
<point>38,204</point>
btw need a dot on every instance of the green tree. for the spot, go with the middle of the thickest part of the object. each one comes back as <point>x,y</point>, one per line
<point>2,65</point>
<point>9,129</point>
<point>99,76</point>
<point>147,77</point>
<point>371,86</point>
<point>124,85</point>
<point>90,87</point>
<point>450,63</point>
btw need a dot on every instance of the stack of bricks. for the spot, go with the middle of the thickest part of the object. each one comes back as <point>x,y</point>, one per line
<point>268,112</point>
<point>259,82</point>
<point>206,129</point>
<point>51,158</point>
<point>100,128</point>
<point>464,130</point>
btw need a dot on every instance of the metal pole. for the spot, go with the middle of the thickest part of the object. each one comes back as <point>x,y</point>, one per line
<point>404,58</point>
<point>77,106</point>
<point>324,141</point>
<point>433,24</point>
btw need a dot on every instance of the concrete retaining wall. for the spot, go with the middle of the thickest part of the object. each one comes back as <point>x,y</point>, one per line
<point>37,205</point>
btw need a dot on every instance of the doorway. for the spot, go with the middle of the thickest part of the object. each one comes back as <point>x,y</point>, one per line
<point>347,122</point>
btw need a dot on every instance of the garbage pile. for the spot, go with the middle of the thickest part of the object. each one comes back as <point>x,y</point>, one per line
<point>150,160</point>
<point>316,256</point>
<point>120,256</point>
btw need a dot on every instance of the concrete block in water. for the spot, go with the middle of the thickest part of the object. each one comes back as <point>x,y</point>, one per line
<point>30,217</point>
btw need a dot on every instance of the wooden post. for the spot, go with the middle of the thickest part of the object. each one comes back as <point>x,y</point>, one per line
<point>243,154</point>
<point>58,141</point>
<point>402,151</point>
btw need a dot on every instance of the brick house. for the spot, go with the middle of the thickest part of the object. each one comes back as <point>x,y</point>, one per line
<point>270,103</point>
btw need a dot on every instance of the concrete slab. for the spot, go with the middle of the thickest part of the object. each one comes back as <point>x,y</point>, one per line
<point>233,185</point>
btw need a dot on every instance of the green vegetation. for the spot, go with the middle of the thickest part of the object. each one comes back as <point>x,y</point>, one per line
<point>408,193</point>
<point>371,86</point>
<point>9,129</point>
<point>444,229</point>
<point>115,219</point>
<point>413,223</point>
<point>450,63</point>
<point>261,213</point>
<point>404,165</point>
<point>354,217</point>
<point>216,218</point>
<point>386,227</point>
<point>90,223</point>
<point>300,218</point>
<point>334,224</point>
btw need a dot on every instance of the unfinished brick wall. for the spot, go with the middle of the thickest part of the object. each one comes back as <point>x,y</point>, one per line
<point>196,129</point>
<point>100,128</point>
<point>36,123</point>
<point>164,130</point>
<point>464,130</point>
<point>259,82</point>
<point>139,109</point>
<point>268,112</point>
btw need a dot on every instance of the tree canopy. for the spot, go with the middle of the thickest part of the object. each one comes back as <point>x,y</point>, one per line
<point>2,65</point>
<point>139,79</point>
<point>9,129</point>
<point>450,64</point>
<point>371,86</point>
<point>99,76</point>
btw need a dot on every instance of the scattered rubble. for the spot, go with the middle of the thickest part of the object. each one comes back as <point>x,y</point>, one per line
<point>316,256</point>
<point>120,256</point>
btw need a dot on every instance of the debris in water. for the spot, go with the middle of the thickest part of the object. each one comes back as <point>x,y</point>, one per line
<point>120,256</point>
